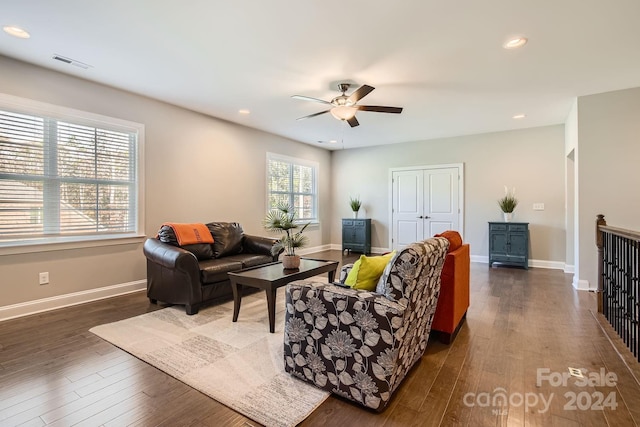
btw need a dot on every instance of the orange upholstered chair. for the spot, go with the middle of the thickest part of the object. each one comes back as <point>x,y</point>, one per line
<point>453,301</point>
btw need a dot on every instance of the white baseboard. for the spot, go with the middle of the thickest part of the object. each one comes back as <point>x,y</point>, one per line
<point>38,306</point>
<point>480,259</point>
<point>581,285</point>
<point>535,263</point>
<point>554,265</point>
<point>307,251</point>
<point>570,269</point>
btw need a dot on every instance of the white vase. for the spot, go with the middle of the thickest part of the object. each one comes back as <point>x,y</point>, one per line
<point>355,214</point>
<point>507,216</point>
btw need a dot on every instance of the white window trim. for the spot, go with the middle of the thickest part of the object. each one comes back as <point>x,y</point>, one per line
<point>299,161</point>
<point>29,106</point>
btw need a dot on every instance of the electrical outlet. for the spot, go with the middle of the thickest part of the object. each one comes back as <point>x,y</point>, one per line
<point>538,206</point>
<point>44,278</point>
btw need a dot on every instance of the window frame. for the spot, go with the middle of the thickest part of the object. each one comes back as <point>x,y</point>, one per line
<point>294,161</point>
<point>84,118</point>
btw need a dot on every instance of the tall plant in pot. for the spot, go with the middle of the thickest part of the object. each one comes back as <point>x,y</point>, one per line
<point>283,219</point>
<point>508,203</point>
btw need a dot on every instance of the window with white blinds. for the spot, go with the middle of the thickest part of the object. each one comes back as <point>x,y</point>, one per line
<point>62,177</point>
<point>293,182</point>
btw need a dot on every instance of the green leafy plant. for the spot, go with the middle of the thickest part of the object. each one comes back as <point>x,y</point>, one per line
<point>355,203</point>
<point>283,219</point>
<point>508,202</point>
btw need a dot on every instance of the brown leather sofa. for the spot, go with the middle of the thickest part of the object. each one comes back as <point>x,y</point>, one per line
<point>195,275</point>
<point>454,291</point>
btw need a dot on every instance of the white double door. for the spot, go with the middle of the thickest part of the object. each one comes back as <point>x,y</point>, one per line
<point>425,201</point>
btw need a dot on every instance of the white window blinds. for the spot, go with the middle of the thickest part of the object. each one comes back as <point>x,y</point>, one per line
<point>59,177</point>
<point>293,182</point>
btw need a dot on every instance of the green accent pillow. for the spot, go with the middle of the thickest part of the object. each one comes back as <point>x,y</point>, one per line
<point>367,270</point>
<point>352,277</point>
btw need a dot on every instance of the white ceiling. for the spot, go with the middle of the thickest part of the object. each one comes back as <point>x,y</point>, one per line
<point>441,60</point>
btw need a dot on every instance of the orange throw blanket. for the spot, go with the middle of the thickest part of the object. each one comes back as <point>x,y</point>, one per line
<point>189,234</point>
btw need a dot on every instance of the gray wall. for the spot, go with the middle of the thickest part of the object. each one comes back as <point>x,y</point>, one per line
<point>608,179</point>
<point>197,169</point>
<point>531,160</point>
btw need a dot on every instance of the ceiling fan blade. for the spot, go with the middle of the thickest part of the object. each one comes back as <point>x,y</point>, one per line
<point>313,115</point>
<point>360,93</point>
<point>353,122</point>
<point>308,98</point>
<point>379,109</point>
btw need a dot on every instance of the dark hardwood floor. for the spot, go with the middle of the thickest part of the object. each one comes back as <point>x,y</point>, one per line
<point>54,372</point>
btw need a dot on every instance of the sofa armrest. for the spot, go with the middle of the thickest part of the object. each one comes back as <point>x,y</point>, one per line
<point>258,245</point>
<point>359,296</point>
<point>453,301</point>
<point>170,256</point>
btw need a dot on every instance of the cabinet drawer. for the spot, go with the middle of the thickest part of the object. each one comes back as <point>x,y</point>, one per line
<point>497,227</point>
<point>348,222</point>
<point>359,222</point>
<point>517,227</point>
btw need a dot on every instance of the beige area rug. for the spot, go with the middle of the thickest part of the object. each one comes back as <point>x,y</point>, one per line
<point>238,364</point>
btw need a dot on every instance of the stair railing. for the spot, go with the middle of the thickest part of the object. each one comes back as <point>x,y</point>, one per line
<point>618,280</point>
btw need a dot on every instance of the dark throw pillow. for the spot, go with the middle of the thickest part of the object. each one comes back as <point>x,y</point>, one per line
<point>167,235</point>
<point>227,238</point>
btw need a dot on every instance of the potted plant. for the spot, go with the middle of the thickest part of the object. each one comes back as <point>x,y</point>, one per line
<point>283,219</point>
<point>355,204</point>
<point>508,203</point>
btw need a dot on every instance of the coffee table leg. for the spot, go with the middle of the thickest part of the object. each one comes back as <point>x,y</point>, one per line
<point>332,276</point>
<point>271,306</point>
<point>237,298</point>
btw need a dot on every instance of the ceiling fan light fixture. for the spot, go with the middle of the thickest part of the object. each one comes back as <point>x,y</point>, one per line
<point>343,112</point>
<point>342,100</point>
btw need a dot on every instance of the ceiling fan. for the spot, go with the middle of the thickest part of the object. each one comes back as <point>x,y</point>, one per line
<point>344,107</point>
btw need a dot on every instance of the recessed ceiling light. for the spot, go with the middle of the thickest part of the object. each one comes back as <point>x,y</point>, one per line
<point>519,116</point>
<point>515,43</point>
<point>16,31</point>
<point>333,141</point>
<point>244,111</point>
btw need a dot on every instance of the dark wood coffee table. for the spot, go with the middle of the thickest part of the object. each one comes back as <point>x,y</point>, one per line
<point>272,276</point>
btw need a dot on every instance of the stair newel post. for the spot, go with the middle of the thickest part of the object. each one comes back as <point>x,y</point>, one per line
<point>600,221</point>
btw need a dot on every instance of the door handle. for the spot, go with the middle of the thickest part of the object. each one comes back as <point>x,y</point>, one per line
<point>426,217</point>
<point>423,217</point>
<point>420,217</point>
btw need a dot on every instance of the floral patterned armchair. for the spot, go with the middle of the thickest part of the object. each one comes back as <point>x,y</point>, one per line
<point>360,344</point>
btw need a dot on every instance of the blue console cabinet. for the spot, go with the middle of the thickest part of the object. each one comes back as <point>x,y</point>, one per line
<point>509,243</point>
<point>356,235</point>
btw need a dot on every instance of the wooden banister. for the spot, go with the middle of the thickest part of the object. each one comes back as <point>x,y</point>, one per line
<point>629,234</point>
<point>600,222</point>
